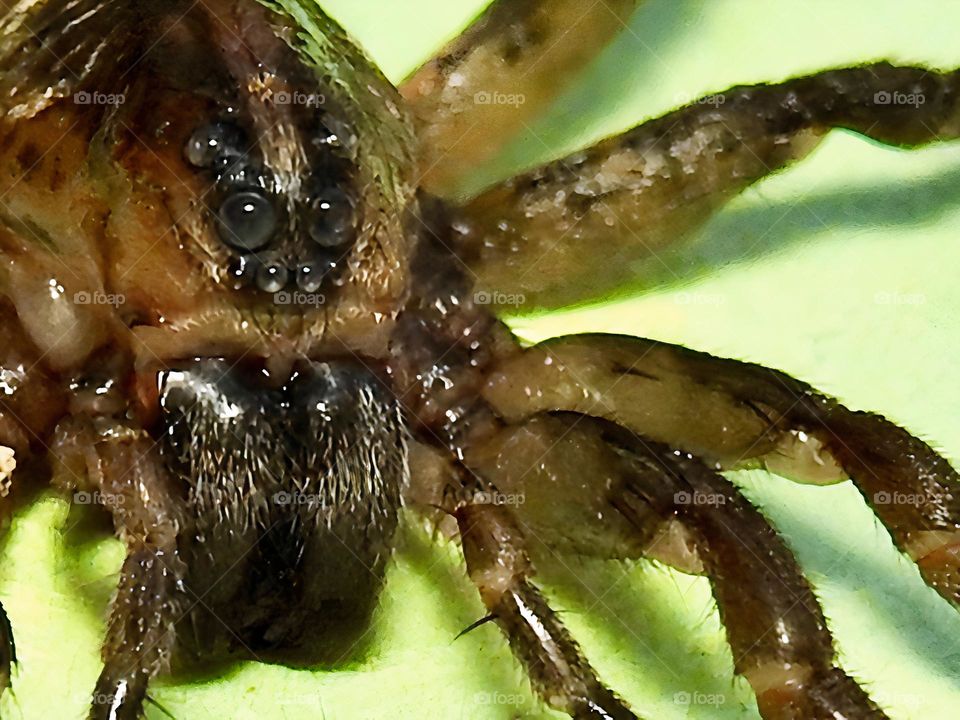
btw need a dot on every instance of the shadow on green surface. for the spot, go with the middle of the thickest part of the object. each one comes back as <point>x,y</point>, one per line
<point>745,234</point>
<point>651,635</point>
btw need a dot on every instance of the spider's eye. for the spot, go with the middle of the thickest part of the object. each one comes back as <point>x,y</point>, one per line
<point>333,221</point>
<point>247,221</point>
<point>209,141</point>
<point>309,278</point>
<point>272,277</point>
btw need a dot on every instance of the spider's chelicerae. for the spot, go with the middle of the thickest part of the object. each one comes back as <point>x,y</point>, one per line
<point>242,308</point>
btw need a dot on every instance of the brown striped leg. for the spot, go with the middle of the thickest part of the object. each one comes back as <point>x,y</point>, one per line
<point>774,623</point>
<point>471,99</point>
<point>737,414</point>
<point>497,562</point>
<point>575,229</point>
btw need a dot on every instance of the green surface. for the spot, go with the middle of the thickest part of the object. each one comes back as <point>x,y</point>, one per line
<point>841,271</point>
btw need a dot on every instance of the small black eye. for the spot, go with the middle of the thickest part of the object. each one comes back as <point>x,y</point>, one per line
<point>247,221</point>
<point>211,140</point>
<point>333,219</point>
<point>272,277</point>
<point>309,278</point>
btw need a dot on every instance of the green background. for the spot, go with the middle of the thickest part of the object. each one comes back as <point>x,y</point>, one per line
<point>841,271</point>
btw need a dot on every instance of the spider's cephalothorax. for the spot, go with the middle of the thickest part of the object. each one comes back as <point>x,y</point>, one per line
<point>244,305</point>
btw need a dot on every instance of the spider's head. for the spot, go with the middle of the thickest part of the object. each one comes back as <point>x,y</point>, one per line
<point>299,149</point>
<point>282,157</point>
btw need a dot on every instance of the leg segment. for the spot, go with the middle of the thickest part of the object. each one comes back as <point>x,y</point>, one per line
<point>128,477</point>
<point>574,229</point>
<point>498,564</point>
<point>776,629</point>
<point>738,414</point>
<point>472,98</point>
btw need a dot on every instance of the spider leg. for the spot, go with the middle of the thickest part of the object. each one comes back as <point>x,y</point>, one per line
<point>471,99</point>
<point>777,631</point>
<point>129,479</point>
<point>737,414</point>
<point>576,228</point>
<point>497,562</point>
<point>579,484</point>
<point>30,405</point>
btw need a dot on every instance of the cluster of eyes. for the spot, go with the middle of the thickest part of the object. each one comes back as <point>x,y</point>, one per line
<point>247,219</point>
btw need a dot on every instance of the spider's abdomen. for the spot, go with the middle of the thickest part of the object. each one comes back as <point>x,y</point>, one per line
<point>292,494</point>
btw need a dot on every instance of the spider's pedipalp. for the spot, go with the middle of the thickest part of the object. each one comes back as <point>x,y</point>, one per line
<point>578,228</point>
<point>479,91</point>
<point>120,467</point>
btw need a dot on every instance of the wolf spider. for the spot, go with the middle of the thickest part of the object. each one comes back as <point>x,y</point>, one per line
<point>242,308</point>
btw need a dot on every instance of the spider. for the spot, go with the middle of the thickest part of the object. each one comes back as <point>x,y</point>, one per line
<point>247,313</point>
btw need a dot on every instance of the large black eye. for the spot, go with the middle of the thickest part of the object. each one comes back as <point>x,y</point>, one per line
<point>333,219</point>
<point>212,140</point>
<point>247,221</point>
